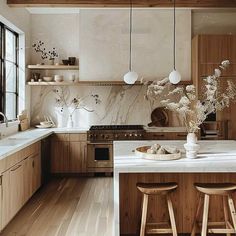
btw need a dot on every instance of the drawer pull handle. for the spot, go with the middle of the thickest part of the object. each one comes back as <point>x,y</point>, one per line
<point>159,135</point>
<point>16,168</point>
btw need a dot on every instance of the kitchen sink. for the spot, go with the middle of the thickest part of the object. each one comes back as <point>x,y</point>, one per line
<point>12,141</point>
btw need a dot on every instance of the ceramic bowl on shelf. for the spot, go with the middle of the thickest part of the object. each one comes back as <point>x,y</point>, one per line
<point>65,62</point>
<point>58,78</point>
<point>47,78</point>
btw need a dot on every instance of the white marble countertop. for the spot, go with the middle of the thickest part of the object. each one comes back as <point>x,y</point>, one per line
<point>214,156</point>
<point>26,138</point>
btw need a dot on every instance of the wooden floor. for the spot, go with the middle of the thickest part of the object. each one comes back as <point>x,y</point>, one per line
<point>67,207</point>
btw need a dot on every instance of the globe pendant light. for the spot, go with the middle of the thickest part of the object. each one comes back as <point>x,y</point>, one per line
<point>131,77</point>
<point>174,76</point>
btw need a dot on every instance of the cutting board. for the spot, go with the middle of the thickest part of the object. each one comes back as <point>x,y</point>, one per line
<point>24,124</point>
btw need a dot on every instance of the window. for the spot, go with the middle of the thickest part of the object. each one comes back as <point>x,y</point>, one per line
<point>8,72</point>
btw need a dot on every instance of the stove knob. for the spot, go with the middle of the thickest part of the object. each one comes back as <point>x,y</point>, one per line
<point>107,137</point>
<point>130,135</point>
<point>90,136</point>
<point>126,135</point>
<point>116,136</point>
<point>136,135</point>
<point>95,135</point>
<point>102,135</point>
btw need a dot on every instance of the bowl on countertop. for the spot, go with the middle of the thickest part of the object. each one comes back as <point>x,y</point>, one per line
<point>47,78</point>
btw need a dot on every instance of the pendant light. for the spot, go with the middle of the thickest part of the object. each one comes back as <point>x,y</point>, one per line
<point>174,76</point>
<point>130,77</point>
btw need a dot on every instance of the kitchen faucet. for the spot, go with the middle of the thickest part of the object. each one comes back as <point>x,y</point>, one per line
<point>5,119</point>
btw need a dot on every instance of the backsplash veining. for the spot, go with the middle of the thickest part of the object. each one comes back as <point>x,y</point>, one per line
<point>119,105</point>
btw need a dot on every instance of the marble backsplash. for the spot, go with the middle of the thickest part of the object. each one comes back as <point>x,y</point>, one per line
<point>119,105</point>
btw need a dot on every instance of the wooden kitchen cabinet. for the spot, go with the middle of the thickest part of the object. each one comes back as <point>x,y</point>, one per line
<point>16,185</point>
<point>35,165</point>
<point>208,51</point>
<point>19,181</point>
<point>78,157</point>
<point>69,153</point>
<point>5,193</point>
<point>59,157</point>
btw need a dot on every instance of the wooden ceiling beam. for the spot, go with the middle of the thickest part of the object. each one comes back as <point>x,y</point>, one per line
<point>123,3</point>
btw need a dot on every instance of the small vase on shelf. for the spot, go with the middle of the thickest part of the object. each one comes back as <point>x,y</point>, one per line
<point>191,146</point>
<point>70,123</point>
<point>52,61</point>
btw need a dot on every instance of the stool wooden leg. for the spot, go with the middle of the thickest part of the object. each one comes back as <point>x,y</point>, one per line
<point>205,215</point>
<point>226,213</point>
<point>232,210</point>
<point>172,216</point>
<point>198,211</point>
<point>144,215</point>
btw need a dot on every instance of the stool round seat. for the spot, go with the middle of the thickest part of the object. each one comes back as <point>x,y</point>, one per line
<point>156,188</point>
<point>216,188</point>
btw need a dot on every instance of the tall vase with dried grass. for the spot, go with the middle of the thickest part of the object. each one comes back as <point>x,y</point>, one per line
<point>193,111</point>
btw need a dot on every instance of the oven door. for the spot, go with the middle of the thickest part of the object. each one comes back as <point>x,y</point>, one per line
<point>100,155</point>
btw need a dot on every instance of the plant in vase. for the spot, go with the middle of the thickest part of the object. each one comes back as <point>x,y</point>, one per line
<point>193,111</point>
<point>50,55</point>
<point>73,104</point>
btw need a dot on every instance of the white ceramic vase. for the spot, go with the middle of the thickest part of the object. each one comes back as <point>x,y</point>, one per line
<point>61,117</point>
<point>191,146</point>
<point>70,123</point>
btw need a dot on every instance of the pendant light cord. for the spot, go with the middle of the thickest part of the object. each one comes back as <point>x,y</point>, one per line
<point>174,34</point>
<point>130,34</point>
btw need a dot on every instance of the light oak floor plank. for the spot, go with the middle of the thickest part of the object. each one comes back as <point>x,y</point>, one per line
<point>67,207</point>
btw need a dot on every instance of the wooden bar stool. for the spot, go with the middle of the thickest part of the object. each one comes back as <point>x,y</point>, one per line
<point>221,189</point>
<point>157,189</point>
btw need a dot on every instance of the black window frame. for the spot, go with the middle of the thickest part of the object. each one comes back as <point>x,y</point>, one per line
<point>3,61</point>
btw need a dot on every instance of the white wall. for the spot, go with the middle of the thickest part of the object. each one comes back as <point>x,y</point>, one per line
<point>214,23</point>
<point>104,43</point>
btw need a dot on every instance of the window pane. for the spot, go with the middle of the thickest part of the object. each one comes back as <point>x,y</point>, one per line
<point>10,77</point>
<point>10,106</point>
<point>10,46</point>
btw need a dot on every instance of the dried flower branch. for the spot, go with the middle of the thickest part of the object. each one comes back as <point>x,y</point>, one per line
<point>193,111</point>
<point>75,103</point>
<point>39,47</point>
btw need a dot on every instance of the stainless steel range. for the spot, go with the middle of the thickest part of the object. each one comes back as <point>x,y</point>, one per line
<point>100,144</point>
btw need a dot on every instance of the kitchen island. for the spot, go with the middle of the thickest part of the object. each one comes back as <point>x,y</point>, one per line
<point>216,162</point>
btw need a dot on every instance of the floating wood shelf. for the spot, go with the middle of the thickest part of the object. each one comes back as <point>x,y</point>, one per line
<point>53,67</point>
<point>80,83</point>
<point>91,83</point>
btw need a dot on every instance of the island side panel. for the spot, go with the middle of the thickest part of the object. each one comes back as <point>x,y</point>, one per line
<point>184,199</point>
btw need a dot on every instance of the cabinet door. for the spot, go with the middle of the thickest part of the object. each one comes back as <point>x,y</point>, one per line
<point>6,193</point>
<point>214,48</point>
<point>78,154</point>
<point>0,203</point>
<point>27,179</point>
<point>60,157</point>
<point>35,172</point>
<point>16,188</point>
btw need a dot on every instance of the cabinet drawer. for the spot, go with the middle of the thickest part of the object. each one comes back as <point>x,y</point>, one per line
<point>156,136</point>
<point>78,137</point>
<point>60,137</point>
<point>180,136</point>
<point>31,150</point>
